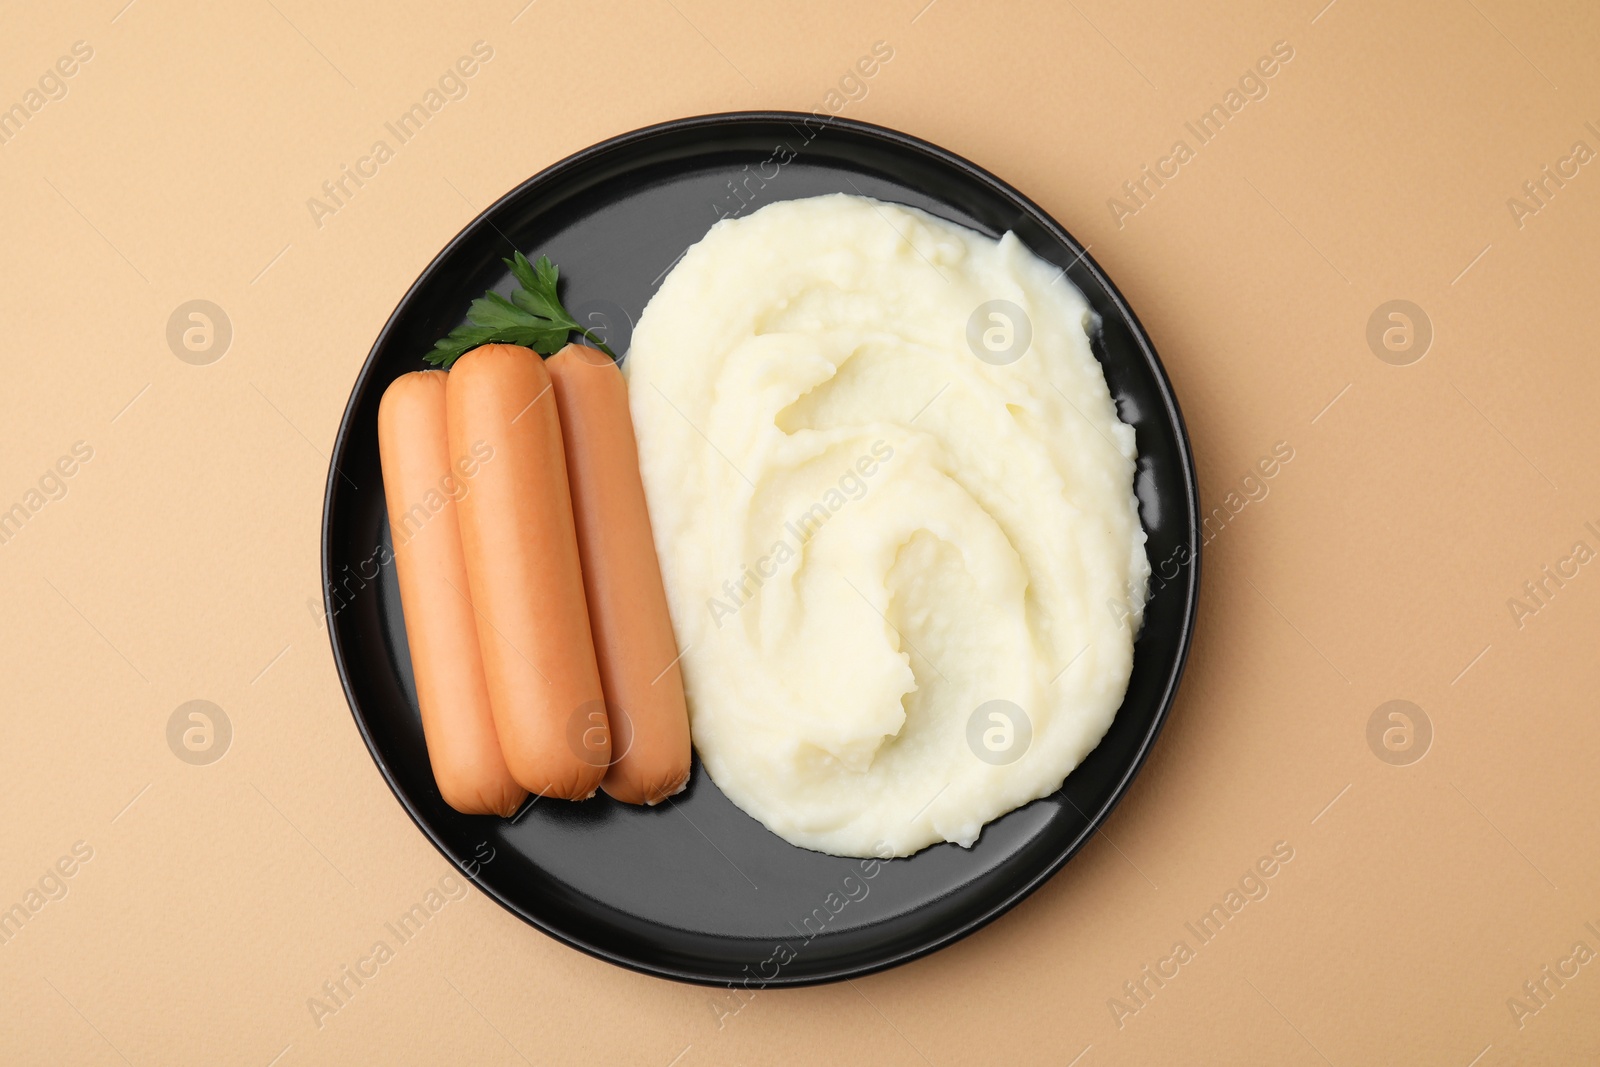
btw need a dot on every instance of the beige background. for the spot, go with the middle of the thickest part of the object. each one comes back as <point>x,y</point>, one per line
<point>182,562</point>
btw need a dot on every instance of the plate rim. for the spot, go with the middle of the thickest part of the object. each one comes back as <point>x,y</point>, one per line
<point>1174,416</point>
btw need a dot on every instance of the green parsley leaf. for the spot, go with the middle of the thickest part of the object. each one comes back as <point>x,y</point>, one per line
<point>521,269</point>
<point>533,316</point>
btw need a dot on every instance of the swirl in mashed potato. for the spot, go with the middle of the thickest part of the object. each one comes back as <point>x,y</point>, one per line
<point>896,520</point>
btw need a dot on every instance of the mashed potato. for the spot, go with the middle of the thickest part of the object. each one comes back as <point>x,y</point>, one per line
<point>895,512</point>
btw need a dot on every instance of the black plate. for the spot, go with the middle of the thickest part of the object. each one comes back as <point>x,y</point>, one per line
<point>695,889</point>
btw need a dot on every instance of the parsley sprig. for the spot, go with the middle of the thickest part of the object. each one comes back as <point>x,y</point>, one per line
<point>533,317</point>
